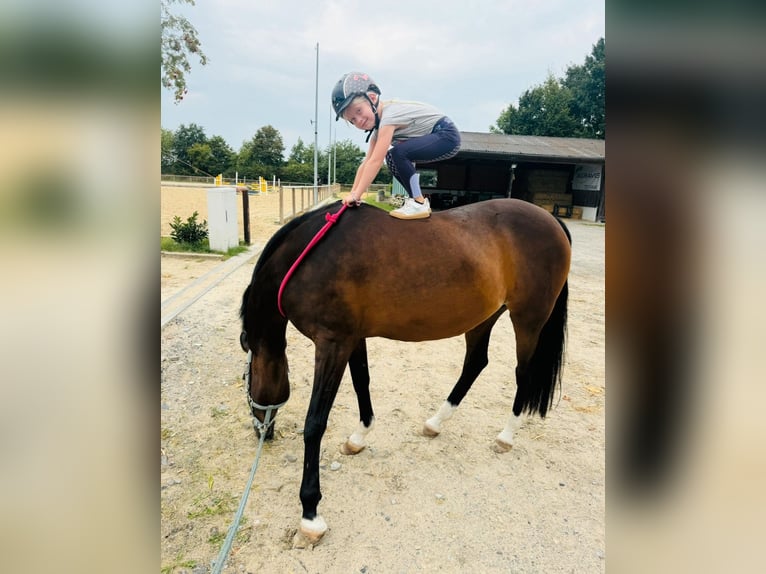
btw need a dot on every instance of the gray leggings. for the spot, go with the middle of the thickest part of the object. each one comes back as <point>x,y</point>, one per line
<point>442,143</point>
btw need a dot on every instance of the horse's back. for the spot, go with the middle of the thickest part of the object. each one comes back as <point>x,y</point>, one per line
<point>426,279</point>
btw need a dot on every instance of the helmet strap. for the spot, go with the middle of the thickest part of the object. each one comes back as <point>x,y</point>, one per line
<point>377,118</point>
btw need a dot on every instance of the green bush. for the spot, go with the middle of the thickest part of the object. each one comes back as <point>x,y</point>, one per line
<point>190,232</point>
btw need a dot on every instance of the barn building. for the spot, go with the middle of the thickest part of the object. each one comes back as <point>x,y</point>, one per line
<point>563,175</point>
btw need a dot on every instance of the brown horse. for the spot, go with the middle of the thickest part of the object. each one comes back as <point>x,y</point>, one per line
<point>375,276</point>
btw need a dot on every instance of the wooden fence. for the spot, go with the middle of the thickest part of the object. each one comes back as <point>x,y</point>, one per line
<point>297,199</point>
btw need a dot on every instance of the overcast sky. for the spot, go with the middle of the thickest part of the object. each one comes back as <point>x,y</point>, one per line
<point>471,60</point>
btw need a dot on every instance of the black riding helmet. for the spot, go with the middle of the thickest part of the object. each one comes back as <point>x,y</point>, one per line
<point>349,87</point>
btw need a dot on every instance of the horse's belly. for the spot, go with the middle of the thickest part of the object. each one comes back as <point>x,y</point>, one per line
<point>426,321</point>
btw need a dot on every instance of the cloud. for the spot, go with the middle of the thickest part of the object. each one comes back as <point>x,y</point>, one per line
<point>461,58</point>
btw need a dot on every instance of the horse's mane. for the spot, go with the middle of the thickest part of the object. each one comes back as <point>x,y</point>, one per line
<point>275,241</point>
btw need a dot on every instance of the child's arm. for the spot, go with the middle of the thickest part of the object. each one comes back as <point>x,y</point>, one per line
<point>370,166</point>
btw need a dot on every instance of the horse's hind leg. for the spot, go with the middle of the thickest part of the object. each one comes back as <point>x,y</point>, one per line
<point>504,441</point>
<point>526,341</point>
<point>476,345</point>
<point>539,354</point>
<point>360,375</point>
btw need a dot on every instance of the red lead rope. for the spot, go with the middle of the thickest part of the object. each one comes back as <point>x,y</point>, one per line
<point>332,219</point>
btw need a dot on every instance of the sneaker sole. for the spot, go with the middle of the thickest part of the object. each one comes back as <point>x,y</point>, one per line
<point>413,216</point>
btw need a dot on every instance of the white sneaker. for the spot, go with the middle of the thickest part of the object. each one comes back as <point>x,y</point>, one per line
<point>412,210</point>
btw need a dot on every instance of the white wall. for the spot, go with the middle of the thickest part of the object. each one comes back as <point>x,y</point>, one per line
<point>588,213</point>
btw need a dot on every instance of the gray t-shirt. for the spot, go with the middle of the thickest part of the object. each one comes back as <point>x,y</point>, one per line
<point>415,118</point>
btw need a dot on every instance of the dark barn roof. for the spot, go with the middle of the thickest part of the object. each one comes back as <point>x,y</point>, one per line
<point>531,148</point>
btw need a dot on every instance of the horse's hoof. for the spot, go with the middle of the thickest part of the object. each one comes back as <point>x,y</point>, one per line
<point>351,448</point>
<point>430,431</point>
<point>501,446</point>
<point>313,530</point>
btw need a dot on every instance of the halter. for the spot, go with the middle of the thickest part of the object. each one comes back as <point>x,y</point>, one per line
<point>262,427</point>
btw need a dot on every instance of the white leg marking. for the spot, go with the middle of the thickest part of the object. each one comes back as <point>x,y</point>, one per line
<point>504,440</point>
<point>357,441</point>
<point>314,529</point>
<point>433,425</point>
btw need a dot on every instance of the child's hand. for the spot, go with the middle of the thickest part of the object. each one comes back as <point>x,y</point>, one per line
<point>351,200</point>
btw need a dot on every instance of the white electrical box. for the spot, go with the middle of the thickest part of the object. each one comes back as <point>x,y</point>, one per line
<point>223,231</point>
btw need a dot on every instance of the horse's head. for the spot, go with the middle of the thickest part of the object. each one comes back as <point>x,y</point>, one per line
<point>264,327</point>
<point>266,376</point>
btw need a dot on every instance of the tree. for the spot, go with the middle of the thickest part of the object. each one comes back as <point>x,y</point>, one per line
<point>222,157</point>
<point>588,86</point>
<point>200,157</point>
<point>348,156</point>
<point>545,110</point>
<point>300,164</point>
<point>300,153</point>
<point>245,164</point>
<point>184,139</point>
<point>262,155</point>
<point>167,159</point>
<point>268,147</point>
<point>294,172</point>
<point>178,42</point>
<point>572,107</point>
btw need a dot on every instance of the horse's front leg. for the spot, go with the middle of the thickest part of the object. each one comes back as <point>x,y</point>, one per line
<point>330,362</point>
<point>360,375</point>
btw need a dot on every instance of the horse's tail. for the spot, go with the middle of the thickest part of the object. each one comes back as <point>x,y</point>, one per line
<point>543,372</point>
<point>544,369</point>
<point>566,230</point>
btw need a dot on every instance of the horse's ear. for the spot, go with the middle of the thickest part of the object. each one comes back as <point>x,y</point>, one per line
<point>243,341</point>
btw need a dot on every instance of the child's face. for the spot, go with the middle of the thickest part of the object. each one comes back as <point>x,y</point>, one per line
<point>359,113</point>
